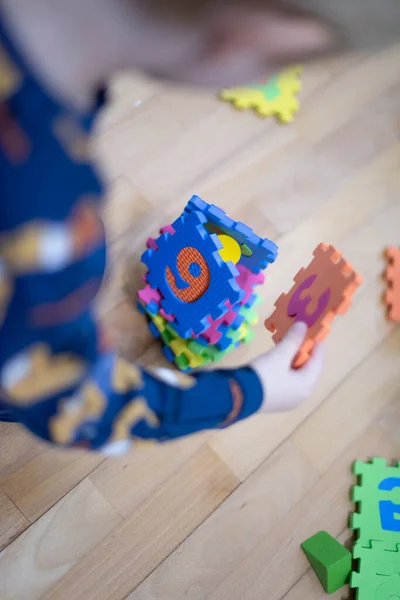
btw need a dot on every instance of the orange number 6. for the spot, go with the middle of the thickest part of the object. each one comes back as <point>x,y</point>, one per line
<point>195,273</point>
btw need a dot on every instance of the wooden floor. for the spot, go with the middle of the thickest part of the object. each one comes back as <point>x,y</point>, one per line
<point>220,516</point>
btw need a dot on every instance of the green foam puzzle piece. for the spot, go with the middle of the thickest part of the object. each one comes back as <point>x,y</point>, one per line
<point>378,502</point>
<point>330,560</point>
<point>378,576</point>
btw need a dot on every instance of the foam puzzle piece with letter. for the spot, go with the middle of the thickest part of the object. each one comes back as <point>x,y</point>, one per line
<point>257,252</point>
<point>378,575</point>
<point>194,281</point>
<point>392,276</point>
<point>274,97</point>
<point>378,498</point>
<point>321,291</point>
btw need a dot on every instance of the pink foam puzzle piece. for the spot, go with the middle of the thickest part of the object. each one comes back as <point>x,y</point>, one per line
<point>148,294</point>
<point>248,281</point>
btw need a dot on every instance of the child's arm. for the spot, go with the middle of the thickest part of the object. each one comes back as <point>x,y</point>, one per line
<point>285,388</point>
<point>105,405</point>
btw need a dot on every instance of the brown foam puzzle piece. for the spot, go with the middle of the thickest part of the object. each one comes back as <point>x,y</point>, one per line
<point>321,291</point>
<point>392,276</point>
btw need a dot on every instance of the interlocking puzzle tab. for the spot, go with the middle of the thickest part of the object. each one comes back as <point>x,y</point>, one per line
<point>277,96</point>
<point>330,560</point>
<point>321,291</point>
<point>199,295</point>
<point>377,522</point>
<point>392,276</point>
<point>378,574</point>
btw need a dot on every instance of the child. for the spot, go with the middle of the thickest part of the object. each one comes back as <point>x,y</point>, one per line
<point>54,59</point>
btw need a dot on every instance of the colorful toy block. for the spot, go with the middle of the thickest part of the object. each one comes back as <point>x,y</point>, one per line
<point>258,252</point>
<point>190,274</point>
<point>330,560</point>
<point>392,276</point>
<point>378,575</point>
<point>321,291</point>
<point>199,294</point>
<point>274,97</point>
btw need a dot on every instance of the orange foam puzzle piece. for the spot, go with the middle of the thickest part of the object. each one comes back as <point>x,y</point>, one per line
<point>392,276</point>
<point>321,291</point>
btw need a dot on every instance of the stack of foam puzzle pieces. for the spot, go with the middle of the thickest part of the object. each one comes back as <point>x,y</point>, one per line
<point>200,289</point>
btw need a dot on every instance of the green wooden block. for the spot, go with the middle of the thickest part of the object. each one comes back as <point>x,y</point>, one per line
<point>330,560</point>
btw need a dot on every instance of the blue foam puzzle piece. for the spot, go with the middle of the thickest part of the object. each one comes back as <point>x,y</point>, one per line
<point>264,251</point>
<point>191,317</point>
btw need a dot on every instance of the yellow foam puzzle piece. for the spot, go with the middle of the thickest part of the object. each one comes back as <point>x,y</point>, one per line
<point>274,97</point>
<point>230,249</point>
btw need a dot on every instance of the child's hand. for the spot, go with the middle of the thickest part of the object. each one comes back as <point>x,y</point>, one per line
<point>284,387</point>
